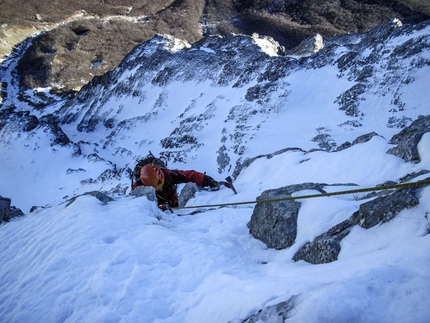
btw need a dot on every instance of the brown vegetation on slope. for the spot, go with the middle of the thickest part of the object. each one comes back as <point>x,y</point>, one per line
<point>67,56</point>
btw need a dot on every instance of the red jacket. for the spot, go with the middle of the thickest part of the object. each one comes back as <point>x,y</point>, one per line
<point>168,193</point>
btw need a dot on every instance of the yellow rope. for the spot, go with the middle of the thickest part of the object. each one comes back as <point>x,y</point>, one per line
<point>360,190</point>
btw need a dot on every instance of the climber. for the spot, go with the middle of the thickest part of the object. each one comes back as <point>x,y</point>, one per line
<point>165,180</point>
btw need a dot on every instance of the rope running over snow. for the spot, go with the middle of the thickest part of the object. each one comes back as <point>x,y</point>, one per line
<point>287,198</point>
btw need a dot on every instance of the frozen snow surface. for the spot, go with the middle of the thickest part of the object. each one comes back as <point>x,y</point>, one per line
<point>127,261</point>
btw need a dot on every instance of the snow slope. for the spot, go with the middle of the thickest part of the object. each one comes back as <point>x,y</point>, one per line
<point>211,107</point>
<point>126,261</point>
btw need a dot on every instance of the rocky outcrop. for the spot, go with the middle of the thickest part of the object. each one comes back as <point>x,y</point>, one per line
<point>359,140</point>
<point>251,90</point>
<point>385,208</point>
<point>187,193</point>
<point>102,197</point>
<point>275,222</point>
<point>146,75</point>
<point>86,39</point>
<point>274,219</point>
<point>307,47</point>
<point>275,313</point>
<point>326,247</point>
<point>7,211</point>
<point>51,122</point>
<point>4,209</point>
<point>23,119</point>
<point>249,161</point>
<point>147,191</point>
<point>27,122</point>
<point>407,140</point>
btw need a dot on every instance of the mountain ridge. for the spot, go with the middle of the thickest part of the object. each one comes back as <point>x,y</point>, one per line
<point>244,101</point>
<point>73,41</point>
<point>354,114</point>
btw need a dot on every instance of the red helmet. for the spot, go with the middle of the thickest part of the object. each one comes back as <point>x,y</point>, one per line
<point>152,175</point>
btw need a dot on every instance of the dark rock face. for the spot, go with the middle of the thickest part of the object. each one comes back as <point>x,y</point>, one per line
<point>24,119</point>
<point>364,138</point>
<point>408,139</point>
<point>14,212</point>
<point>4,209</point>
<point>319,251</point>
<point>51,122</point>
<point>326,247</point>
<point>359,140</point>
<point>7,211</point>
<point>102,197</point>
<point>28,122</point>
<point>385,208</point>
<point>147,191</point>
<point>410,177</point>
<point>349,100</point>
<point>248,161</point>
<point>236,62</point>
<point>276,313</point>
<point>275,223</point>
<point>188,192</point>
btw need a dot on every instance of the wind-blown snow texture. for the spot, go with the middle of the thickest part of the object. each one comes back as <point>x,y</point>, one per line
<point>211,107</point>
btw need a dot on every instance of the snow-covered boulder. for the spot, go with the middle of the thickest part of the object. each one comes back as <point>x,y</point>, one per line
<point>275,223</point>
<point>327,246</point>
<point>407,140</point>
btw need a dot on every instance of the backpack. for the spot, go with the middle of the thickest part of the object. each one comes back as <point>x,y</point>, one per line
<point>149,159</point>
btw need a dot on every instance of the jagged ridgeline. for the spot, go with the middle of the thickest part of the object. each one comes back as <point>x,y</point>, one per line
<point>328,117</point>
<point>173,96</point>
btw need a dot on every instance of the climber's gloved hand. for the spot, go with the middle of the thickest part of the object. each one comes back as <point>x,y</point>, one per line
<point>209,181</point>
